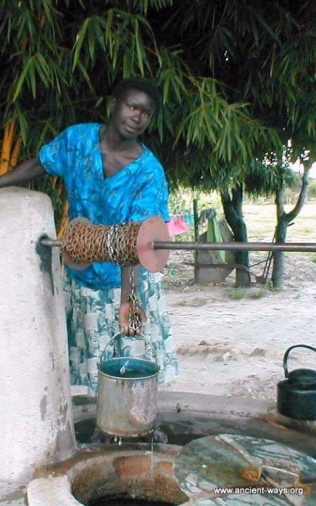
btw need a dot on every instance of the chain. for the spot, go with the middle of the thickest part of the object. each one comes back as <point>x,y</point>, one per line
<point>109,243</point>
<point>88,243</point>
<point>134,319</point>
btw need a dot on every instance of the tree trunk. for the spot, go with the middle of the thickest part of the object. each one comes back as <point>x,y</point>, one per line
<point>232,206</point>
<point>279,256</point>
<point>283,221</point>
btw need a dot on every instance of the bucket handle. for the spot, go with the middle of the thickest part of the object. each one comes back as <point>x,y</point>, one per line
<point>286,371</point>
<point>136,335</point>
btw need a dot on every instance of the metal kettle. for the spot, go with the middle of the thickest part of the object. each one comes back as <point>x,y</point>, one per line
<point>296,395</point>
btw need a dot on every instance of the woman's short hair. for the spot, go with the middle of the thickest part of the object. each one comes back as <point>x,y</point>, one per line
<point>140,84</point>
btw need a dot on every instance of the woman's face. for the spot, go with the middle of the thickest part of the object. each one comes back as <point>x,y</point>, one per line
<point>132,114</point>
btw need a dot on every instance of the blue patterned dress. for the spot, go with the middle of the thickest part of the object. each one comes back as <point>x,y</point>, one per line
<point>135,193</point>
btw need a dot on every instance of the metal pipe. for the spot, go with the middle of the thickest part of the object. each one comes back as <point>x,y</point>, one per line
<point>51,243</point>
<point>235,246</point>
<point>215,246</point>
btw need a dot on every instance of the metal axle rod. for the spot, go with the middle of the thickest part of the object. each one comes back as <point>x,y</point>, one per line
<point>52,243</point>
<point>215,246</point>
<point>235,246</point>
<point>145,243</point>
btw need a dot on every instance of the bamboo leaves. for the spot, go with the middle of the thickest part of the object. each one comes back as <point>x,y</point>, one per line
<point>229,73</point>
<point>213,124</point>
<point>119,34</point>
<point>35,67</point>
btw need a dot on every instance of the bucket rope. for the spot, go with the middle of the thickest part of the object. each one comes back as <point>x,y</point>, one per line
<point>134,319</point>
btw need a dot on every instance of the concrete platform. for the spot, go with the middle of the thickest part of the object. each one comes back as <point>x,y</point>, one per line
<point>13,494</point>
<point>189,415</point>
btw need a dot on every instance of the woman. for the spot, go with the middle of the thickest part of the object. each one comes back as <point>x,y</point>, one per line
<point>110,178</point>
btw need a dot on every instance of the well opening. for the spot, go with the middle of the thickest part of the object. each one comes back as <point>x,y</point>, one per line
<point>139,473</point>
<point>128,477</point>
<point>119,501</point>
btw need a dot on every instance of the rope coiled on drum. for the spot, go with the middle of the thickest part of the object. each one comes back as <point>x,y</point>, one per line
<point>87,243</point>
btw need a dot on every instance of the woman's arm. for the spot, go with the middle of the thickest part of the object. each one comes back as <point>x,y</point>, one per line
<point>23,173</point>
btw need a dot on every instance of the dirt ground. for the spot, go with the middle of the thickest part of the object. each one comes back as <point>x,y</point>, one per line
<point>235,347</point>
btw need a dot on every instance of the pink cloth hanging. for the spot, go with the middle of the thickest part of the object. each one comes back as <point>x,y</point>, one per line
<point>177,225</point>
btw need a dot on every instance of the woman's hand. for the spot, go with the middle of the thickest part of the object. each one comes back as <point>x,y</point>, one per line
<point>124,317</point>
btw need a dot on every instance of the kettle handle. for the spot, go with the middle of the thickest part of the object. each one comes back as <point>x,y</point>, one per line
<point>286,371</point>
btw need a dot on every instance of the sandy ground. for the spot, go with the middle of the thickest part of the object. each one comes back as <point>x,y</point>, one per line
<point>236,347</point>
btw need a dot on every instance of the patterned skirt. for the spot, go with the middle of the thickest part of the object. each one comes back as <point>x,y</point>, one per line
<point>92,323</point>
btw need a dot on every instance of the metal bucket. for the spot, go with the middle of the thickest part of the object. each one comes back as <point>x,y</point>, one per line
<point>127,395</point>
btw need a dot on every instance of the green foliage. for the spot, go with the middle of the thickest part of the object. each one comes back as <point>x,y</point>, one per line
<point>263,55</point>
<point>181,201</point>
<point>237,80</point>
<point>248,293</point>
<point>258,293</point>
<point>237,293</point>
<point>120,36</point>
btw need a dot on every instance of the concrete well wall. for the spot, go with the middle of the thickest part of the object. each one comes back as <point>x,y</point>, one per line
<point>36,425</point>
